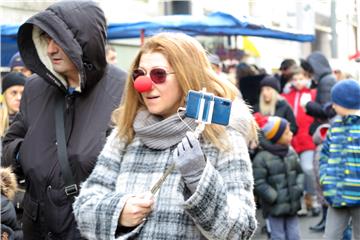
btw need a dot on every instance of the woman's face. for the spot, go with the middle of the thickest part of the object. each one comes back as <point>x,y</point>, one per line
<point>267,93</point>
<point>164,98</point>
<point>12,97</point>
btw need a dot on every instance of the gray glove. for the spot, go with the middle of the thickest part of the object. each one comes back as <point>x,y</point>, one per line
<point>189,160</point>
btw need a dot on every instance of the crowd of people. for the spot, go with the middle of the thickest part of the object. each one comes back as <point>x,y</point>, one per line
<point>305,95</point>
<point>92,152</point>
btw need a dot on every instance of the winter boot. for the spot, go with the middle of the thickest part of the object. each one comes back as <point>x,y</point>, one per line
<point>304,210</point>
<point>316,208</point>
<point>320,227</point>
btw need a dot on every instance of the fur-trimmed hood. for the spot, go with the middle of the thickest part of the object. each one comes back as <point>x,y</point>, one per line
<point>8,182</point>
<point>79,28</point>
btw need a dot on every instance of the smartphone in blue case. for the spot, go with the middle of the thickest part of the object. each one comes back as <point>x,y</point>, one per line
<point>220,112</point>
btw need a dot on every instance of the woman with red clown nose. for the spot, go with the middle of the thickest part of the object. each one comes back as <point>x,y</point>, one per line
<point>208,194</point>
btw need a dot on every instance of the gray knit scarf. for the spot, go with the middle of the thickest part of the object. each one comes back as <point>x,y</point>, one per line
<point>158,133</point>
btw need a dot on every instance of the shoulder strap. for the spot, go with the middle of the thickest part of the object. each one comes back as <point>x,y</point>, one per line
<point>71,188</point>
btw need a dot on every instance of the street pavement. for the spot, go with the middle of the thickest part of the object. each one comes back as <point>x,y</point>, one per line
<point>305,223</point>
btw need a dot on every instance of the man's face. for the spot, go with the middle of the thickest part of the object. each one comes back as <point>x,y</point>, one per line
<point>286,72</point>
<point>60,61</point>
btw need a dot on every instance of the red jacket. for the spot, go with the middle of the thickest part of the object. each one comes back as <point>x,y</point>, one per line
<point>302,141</point>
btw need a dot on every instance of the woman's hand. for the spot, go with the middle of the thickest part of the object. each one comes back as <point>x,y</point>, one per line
<point>190,160</point>
<point>136,209</point>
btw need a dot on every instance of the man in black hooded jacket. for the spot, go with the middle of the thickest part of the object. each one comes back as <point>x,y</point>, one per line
<point>65,47</point>
<point>321,108</point>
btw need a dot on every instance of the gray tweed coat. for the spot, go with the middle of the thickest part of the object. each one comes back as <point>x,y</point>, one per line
<point>222,207</point>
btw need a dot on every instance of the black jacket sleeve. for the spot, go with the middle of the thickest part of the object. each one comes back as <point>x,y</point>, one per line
<point>284,110</point>
<point>320,108</point>
<point>289,115</point>
<point>314,109</point>
<point>325,112</point>
<point>323,95</point>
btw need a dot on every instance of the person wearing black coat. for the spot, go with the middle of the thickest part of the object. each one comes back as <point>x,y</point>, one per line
<point>10,228</point>
<point>276,106</point>
<point>283,109</point>
<point>64,46</point>
<point>273,104</point>
<point>279,180</point>
<point>285,68</point>
<point>321,108</point>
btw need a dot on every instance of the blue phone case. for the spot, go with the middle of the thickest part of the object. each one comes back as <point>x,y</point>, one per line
<point>221,112</point>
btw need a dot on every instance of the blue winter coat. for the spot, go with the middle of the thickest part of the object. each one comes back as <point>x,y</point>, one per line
<point>340,163</point>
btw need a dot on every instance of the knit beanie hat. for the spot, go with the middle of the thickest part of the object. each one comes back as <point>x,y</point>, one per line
<point>346,93</point>
<point>287,63</point>
<point>16,61</point>
<point>273,127</point>
<point>12,79</point>
<point>271,81</point>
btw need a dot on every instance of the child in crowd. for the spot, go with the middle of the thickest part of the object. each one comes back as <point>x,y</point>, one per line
<point>319,137</point>
<point>10,229</point>
<point>278,179</point>
<point>339,161</point>
<point>302,140</point>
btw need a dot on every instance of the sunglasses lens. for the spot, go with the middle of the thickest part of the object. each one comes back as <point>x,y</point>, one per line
<point>137,73</point>
<point>158,75</point>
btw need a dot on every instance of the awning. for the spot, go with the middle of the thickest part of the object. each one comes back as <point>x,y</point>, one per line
<point>215,24</point>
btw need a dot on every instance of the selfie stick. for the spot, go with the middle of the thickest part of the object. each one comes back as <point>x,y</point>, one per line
<point>200,128</point>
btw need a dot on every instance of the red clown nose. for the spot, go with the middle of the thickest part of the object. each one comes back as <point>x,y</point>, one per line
<point>143,84</point>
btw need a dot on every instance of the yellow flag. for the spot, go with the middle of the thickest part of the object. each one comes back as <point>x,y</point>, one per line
<point>250,48</point>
